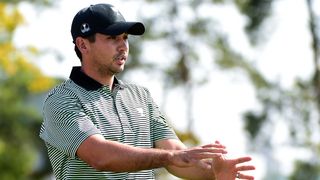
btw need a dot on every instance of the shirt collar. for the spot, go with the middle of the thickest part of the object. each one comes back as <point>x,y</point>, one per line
<point>83,80</point>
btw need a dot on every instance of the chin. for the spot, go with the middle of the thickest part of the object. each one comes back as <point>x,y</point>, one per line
<point>118,71</point>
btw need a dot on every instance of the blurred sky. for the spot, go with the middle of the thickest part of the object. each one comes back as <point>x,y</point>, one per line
<point>218,105</point>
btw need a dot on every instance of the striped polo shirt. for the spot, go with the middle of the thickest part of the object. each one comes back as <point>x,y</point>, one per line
<point>80,107</point>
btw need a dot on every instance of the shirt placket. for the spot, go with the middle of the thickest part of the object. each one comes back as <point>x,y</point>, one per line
<point>127,134</point>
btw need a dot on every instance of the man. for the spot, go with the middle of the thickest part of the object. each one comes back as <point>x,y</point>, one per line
<point>98,127</point>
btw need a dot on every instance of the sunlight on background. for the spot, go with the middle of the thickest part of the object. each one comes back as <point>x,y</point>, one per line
<point>218,105</point>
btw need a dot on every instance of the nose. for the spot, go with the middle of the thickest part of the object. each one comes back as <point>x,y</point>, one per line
<point>123,45</point>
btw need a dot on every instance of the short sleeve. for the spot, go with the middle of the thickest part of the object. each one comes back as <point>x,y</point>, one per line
<point>160,128</point>
<point>65,125</point>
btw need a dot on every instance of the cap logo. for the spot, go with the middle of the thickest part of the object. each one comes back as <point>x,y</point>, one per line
<point>114,9</point>
<point>85,28</point>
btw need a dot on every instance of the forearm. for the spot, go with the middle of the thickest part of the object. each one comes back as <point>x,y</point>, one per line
<point>117,157</point>
<point>128,158</point>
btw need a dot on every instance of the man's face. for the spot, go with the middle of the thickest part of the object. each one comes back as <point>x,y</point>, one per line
<point>108,54</point>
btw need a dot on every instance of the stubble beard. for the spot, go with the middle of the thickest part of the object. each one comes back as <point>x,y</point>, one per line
<point>114,67</point>
<point>118,61</point>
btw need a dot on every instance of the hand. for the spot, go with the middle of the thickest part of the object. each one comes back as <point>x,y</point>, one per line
<point>193,156</point>
<point>227,169</point>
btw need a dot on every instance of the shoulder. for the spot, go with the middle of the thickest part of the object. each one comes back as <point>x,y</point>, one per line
<point>62,91</point>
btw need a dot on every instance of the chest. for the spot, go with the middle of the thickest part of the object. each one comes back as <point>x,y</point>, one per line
<point>121,116</point>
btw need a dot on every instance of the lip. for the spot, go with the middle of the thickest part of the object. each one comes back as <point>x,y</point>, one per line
<point>120,59</point>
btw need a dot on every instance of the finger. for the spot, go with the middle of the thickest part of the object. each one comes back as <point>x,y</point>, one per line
<point>244,176</point>
<point>243,159</point>
<point>217,142</point>
<point>212,149</point>
<point>208,148</point>
<point>246,168</point>
<point>208,155</point>
<point>213,146</point>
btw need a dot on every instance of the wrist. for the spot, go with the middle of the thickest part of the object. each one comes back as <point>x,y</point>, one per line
<point>169,158</point>
<point>218,176</point>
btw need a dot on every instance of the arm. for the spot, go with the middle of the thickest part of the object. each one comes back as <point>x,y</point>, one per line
<point>194,172</point>
<point>107,155</point>
<point>220,169</point>
<point>113,156</point>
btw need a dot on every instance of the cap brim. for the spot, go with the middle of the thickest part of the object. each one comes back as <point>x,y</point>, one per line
<point>134,28</point>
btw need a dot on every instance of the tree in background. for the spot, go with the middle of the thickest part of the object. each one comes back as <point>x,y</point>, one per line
<point>19,80</point>
<point>179,26</point>
<point>298,106</point>
<point>177,36</point>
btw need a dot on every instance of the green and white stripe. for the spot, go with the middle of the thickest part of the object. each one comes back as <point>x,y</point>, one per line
<point>80,107</point>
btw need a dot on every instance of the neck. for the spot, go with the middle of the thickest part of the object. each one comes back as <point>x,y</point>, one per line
<point>101,77</point>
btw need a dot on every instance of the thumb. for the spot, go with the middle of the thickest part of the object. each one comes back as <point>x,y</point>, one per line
<point>205,164</point>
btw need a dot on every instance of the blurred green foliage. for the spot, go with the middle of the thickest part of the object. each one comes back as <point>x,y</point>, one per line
<point>297,105</point>
<point>19,80</point>
<point>305,170</point>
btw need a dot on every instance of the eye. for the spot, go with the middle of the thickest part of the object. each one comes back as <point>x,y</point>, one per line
<point>112,37</point>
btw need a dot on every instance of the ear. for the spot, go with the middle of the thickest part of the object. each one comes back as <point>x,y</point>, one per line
<point>82,45</point>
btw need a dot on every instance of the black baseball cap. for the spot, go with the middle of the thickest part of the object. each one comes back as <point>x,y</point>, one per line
<point>105,19</point>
